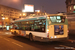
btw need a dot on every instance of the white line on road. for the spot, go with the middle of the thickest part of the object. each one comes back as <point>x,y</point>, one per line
<point>67,47</point>
<point>6,39</point>
<point>17,44</point>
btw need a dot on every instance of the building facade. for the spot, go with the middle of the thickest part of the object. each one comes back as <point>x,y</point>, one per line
<point>70,6</point>
<point>8,13</point>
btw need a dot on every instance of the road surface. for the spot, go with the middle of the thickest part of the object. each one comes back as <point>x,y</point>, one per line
<point>11,42</point>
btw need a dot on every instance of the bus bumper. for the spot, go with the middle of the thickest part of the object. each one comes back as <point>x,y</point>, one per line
<point>41,39</point>
<point>59,39</point>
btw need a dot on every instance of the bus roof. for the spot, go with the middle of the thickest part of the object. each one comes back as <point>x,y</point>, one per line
<point>35,17</point>
<point>30,18</point>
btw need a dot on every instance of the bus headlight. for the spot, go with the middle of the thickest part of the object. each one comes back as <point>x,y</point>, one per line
<point>11,30</point>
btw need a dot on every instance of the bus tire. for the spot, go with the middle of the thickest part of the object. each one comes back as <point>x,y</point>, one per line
<point>31,37</point>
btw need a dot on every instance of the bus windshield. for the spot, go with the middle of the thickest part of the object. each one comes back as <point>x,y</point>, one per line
<point>57,19</point>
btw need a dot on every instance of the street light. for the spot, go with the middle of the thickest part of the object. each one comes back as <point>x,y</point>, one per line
<point>2,22</point>
<point>24,14</point>
<point>6,18</point>
<point>38,11</point>
<point>20,14</point>
<point>3,18</point>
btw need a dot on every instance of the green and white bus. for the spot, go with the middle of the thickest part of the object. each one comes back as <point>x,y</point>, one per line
<point>51,27</point>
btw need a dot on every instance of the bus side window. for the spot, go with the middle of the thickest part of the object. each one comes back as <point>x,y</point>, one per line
<point>39,25</point>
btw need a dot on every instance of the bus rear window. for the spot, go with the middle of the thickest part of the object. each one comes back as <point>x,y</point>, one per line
<point>57,19</point>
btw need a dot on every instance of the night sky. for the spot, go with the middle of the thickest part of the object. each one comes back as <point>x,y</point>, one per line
<point>50,6</point>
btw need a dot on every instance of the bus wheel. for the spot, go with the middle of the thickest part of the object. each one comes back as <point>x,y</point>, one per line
<point>31,37</point>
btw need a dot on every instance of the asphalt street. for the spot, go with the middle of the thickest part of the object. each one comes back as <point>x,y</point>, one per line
<point>11,42</point>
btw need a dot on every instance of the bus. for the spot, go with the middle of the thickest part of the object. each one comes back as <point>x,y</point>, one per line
<point>44,28</point>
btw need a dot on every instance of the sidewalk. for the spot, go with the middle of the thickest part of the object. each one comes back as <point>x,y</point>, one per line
<point>4,30</point>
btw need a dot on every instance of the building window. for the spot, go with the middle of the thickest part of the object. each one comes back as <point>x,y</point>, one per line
<point>70,8</point>
<point>74,6</point>
<point>1,14</point>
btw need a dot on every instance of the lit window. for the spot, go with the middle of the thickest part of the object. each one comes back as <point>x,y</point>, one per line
<point>1,14</point>
<point>70,8</point>
<point>74,6</point>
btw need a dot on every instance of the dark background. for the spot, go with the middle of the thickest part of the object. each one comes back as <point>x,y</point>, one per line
<point>50,6</point>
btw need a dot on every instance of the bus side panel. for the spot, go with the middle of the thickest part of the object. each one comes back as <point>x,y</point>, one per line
<point>39,34</point>
<point>26,33</point>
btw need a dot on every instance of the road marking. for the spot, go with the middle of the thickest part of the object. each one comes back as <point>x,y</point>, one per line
<point>67,47</point>
<point>17,44</point>
<point>6,39</point>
